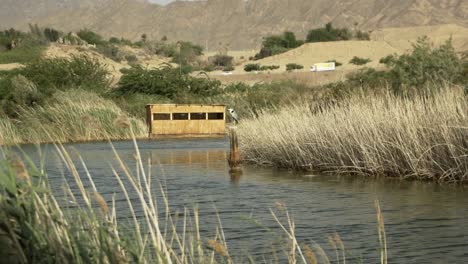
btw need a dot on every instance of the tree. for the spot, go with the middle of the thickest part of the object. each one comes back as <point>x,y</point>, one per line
<point>328,33</point>
<point>90,37</point>
<point>51,34</point>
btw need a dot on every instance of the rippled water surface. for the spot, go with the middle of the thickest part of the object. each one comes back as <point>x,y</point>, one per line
<point>425,223</point>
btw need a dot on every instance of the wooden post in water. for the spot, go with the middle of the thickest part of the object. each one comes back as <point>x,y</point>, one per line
<point>234,159</point>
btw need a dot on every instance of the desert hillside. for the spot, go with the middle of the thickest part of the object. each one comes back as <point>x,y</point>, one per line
<point>237,23</point>
<point>383,42</point>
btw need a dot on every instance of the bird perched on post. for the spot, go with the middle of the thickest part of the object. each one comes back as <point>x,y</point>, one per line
<point>234,115</point>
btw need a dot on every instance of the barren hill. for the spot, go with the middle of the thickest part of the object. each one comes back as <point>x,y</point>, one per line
<point>237,23</point>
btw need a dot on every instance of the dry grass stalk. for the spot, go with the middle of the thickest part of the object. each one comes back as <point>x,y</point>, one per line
<point>423,138</point>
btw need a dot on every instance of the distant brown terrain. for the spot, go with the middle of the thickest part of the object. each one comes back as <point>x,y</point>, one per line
<point>237,24</point>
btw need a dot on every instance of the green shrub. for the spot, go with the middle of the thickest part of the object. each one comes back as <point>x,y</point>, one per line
<point>131,59</point>
<point>269,67</point>
<point>359,61</point>
<point>7,36</point>
<point>50,74</point>
<point>209,68</point>
<point>294,66</point>
<point>91,37</point>
<point>388,60</point>
<point>134,104</point>
<point>328,33</point>
<point>228,68</point>
<point>361,35</point>
<point>72,39</point>
<point>18,93</point>
<point>337,64</point>
<point>51,34</point>
<point>186,53</point>
<point>251,67</point>
<point>368,78</point>
<point>220,60</point>
<point>424,69</point>
<point>277,44</point>
<point>426,64</point>
<point>111,51</point>
<point>167,82</point>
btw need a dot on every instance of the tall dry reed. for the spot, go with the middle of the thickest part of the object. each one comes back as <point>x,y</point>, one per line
<point>424,137</point>
<point>72,116</point>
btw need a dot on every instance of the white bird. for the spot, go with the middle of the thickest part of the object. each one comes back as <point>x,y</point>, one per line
<point>234,115</point>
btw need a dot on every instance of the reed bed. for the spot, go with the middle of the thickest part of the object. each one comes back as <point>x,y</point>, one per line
<point>38,227</point>
<point>423,137</point>
<point>72,116</point>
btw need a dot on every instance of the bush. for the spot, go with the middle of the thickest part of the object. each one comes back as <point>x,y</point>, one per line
<point>121,41</point>
<point>221,60</point>
<point>328,33</point>
<point>337,64</point>
<point>251,67</point>
<point>167,81</point>
<point>73,39</point>
<point>19,93</point>
<point>293,66</point>
<point>62,73</point>
<point>186,53</point>
<point>90,37</point>
<point>250,100</point>
<point>209,68</point>
<point>131,59</point>
<point>426,64</point>
<point>269,67</point>
<point>388,59</point>
<point>277,44</point>
<point>359,61</point>
<point>134,104</point>
<point>51,34</point>
<point>421,71</point>
<point>228,68</point>
<point>111,51</point>
<point>362,35</point>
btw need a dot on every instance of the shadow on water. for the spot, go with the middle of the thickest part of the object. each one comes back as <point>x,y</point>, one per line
<point>425,222</point>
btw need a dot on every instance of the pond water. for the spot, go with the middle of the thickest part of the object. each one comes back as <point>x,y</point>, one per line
<point>425,222</point>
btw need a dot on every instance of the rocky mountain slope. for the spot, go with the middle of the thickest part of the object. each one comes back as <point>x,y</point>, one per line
<point>238,23</point>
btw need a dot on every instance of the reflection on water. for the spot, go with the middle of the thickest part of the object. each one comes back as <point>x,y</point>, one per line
<point>425,223</point>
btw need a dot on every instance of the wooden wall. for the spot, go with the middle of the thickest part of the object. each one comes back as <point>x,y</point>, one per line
<point>186,127</point>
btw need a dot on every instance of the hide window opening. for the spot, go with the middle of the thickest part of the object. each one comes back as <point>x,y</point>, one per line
<point>162,116</point>
<point>215,116</point>
<point>197,116</point>
<point>180,116</point>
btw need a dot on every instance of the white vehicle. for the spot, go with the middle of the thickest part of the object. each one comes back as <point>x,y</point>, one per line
<point>320,67</point>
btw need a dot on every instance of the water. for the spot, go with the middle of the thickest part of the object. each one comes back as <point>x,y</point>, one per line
<point>425,223</point>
